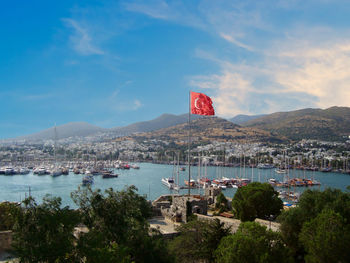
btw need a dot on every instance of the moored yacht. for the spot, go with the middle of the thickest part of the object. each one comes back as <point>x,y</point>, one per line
<point>168,182</point>
<point>9,171</point>
<point>56,172</point>
<point>41,171</point>
<point>24,170</point>
<point>281,171</point>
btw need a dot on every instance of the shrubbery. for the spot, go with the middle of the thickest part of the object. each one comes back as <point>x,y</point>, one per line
<point>317,230</point>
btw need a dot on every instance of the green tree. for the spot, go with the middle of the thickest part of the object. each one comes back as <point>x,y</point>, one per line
<point>326,238</point>
<point>7,215</point>
<point>198,240</point>
<point>221,203</point>
<point>117,222</point>
<point>292,221</point>
<point>250,244</point>
<point>311,203</point>
<point>44,233</point>
<point>256,200</point>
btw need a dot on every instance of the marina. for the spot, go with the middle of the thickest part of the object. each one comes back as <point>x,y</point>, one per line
<point>147,178</point>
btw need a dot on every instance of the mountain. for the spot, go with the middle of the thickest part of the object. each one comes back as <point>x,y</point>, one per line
<point>72,129</point>
<point>329,124</point>
<point>163,121</point>
<point>241,118</point>
<point>209,129</point>
<point>83,129</point>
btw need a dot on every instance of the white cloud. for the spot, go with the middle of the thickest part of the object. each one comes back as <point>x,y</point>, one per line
<point>176,11</point>
<point>301,74</point>
<point>137,105</point>
<point>234,41</point>
<point>81,39</point>
<point>320,71</point>
<point>157,9</point>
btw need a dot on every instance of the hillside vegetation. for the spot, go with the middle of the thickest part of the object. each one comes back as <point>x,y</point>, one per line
<point>329,124</point>
<point>209,129</point>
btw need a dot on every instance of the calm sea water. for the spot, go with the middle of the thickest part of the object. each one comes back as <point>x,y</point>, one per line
<point>148,181</point>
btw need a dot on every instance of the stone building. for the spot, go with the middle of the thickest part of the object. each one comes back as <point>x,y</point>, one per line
<point>179,207</point>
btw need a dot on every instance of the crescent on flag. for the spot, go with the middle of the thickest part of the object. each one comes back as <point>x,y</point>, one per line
<point>201,104</point>
<point>195,104</point>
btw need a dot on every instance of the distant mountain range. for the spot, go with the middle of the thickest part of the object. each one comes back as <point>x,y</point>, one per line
<point>210,129</point>
<point>72,129</point>
<point>83,129</point>
<point>239,119</point>
<point>328,124</point>
<point>163,121</point>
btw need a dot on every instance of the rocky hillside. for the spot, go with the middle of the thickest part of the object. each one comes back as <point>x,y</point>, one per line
<point>241,118</point>
<point>209,129</point>
<point>163,121</point>
<point>329,124</point>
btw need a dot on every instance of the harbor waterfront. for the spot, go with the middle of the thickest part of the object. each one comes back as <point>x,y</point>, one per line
<point>148,181</point>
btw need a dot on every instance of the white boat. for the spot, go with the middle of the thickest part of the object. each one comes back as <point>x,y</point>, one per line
<point>134,166</point>
<point>168,182</point>
<point>265,166</point>
<point>281,171</point>
<point>24,170</point>
<point>56,172</point>
<point>41,171</point>
<point>9,171</point>
<point>273,181</point>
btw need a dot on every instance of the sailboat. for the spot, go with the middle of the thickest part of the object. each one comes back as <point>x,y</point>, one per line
<point>176,185</point>
<point>56,171</point>
<point>169,181</point>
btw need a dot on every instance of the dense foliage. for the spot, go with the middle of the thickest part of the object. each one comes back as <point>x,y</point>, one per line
<point>326,238</point>
<point>117,223</point>
<point>318,227</point>
<point>221,203</point>
<point>252,243</point>
<point>256,200</point>
<point>44,233</point>
<point>117,230</point>
<point>198,241</point>
<point>8,212</point>
<point>116,226</point>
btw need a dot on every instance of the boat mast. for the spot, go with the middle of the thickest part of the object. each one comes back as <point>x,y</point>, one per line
<point>189,143</point>
<point>178,171</point>
<point>54,147</point>
<point>199,173</point>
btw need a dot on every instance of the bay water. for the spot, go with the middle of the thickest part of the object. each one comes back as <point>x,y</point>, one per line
<point>148,181</point>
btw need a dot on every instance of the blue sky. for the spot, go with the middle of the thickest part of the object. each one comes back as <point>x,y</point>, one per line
<point>111,63</point>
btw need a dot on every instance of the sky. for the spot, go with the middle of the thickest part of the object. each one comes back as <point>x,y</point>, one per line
<point>112,63</point>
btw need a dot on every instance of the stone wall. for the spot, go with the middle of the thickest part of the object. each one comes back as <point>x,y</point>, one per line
<point>198,205</point>
<point>176,210</point>
<point>228,222</point>
<point>234,223</point>
<point>5,240</point>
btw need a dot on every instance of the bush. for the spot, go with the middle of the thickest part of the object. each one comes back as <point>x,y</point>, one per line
<point>256,200</point>
<point>252,243</point>
<point>8,213</point>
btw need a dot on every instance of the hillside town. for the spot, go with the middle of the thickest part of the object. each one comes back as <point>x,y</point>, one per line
<point>303,153</point>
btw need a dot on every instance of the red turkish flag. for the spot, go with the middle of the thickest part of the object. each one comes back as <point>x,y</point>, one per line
<point>201,104</point>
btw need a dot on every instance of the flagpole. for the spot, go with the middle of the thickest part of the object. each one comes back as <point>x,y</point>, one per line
<point>189,142</point>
